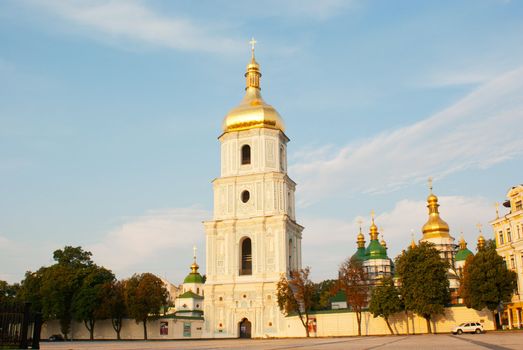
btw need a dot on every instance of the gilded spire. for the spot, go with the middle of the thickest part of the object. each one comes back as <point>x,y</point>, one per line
<point>253,111</point>
<point>462,243</point>
<point>373,228</point>
<point>412,242</point>
<point>481,239</point>
<point>382,242</point>
<point>435,227</point>
<point>253,73</point>
<point>361,237</point>
<point>194,266</point>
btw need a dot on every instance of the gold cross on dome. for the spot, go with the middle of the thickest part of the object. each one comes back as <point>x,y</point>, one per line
<point>497,209</point>
<point>253,43</point>
<point>372,213</point>
<point>194,251</point>
<point>430,184</point>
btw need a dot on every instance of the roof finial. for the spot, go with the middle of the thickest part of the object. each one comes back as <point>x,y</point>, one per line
<point>412,242</point>
<point>430,183</point>
<point>372,213</point>
<point>253,43</point>
<point>360,222</point>
<point>479,226</point>
<point>194,253</point>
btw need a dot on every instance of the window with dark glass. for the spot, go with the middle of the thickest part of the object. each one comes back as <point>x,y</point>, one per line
<point>245,196</point>
<point>246,257</point>
<point>246,154</point>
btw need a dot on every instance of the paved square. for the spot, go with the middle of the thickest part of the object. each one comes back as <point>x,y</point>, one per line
<point>491,340</point>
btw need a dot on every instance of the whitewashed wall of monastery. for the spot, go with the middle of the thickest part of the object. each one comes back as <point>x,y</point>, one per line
<point>130,330</point>
<point>345,323</point>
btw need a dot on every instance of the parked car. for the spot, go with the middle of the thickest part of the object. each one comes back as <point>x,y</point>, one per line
<point>468,327</point>
<point>56,337</point>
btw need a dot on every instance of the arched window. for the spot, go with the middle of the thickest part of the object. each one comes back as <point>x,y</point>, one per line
<point>246,257</point>
<point>246,154</point>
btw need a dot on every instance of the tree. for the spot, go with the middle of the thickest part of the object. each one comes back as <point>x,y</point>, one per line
<point>59,283</point>
<point>113,305</point>
<point>323,293</point>
<point>353,281</point>
<point>486,280</point>
<point>145,295</point>
<point>88,299</point>
<point>30,289</point>
<point>424,286</point>
<point>385,301</point>
<point>295,295</point>
<point>8,292</point>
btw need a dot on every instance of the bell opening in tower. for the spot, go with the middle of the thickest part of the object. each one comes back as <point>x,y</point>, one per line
<point>246,154</point>
<point>246,257</point>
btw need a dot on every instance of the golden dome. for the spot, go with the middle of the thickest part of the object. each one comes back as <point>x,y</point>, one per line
<point>481,242</point>
<point>361,240</point>
<point>253,111</point>
<point>412,243</point>
<point>435,227</point>
<point>373,229</point>
<point>383,243</point>
<point>462,243</point>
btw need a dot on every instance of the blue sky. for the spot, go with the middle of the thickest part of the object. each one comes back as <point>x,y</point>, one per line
<point>110,110</point>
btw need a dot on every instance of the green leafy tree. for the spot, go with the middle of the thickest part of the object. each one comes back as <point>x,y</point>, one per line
<point>296,295</point>
<point>486,280</point>
<point>8,292</point>
<point>60,282</point>
<point>324,291</point>
<point>113,305</point>
<point>385,301</point>
<point>353,281</point>
<point>30,289</point>
<point>424,286</point>
<point>145,296</point>
<point>88,299</point>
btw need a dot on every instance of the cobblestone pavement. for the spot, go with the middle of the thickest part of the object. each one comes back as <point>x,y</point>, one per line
<point>491,340</point>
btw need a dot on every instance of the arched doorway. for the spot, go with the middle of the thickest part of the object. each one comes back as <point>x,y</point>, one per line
<point>245,328</point>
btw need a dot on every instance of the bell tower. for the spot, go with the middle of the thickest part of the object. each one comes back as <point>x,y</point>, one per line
<point>253,237</point>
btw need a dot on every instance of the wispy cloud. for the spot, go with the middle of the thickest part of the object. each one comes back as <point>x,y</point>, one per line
<point>135,22</point>
<point>476,132</point>
<point>159,241</point>
<point>327,242</point>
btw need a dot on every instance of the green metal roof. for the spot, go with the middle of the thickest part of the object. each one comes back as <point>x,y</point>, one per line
<point>191,295</point>
<point>462,254</point>
<point>193,278</point>
<point>360,254</point>
<point>375,251</point>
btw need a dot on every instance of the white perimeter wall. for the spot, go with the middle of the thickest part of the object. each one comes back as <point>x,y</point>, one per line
<point>345,323</point>
<point>130,329</point>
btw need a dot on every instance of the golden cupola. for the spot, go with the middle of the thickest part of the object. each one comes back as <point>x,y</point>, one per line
<point>253,111</point>
<point>435,227</point>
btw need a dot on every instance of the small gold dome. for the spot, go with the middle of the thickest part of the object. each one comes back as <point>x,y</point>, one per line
<point>481,242</point>
<point>194,267</point>
<point>253,111</point>
<point>361,240</point>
